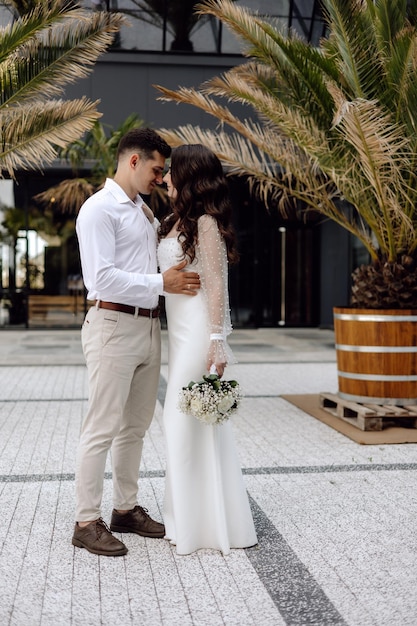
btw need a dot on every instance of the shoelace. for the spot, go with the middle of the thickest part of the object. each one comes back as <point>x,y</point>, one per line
<point>144,511</point>
<point>101,527</point>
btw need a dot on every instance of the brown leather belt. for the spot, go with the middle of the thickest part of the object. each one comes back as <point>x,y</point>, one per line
<point>127,308</point>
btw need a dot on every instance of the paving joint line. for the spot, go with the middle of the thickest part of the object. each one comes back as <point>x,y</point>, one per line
<point>246,395</point>
<point>248,471</point>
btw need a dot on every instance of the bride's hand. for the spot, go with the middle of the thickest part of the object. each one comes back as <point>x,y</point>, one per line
<point>216,368</point>
<point>216,355</point>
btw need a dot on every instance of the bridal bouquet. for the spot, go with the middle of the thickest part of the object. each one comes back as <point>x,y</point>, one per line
<point>210,400</point>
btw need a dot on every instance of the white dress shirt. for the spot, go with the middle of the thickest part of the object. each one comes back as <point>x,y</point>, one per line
<point>118,249</point>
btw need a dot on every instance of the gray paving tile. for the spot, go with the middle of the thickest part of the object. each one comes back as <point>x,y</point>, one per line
<point>336,520</point>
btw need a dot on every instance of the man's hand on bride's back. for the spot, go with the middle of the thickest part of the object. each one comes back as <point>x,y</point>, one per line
<point>178,281</point>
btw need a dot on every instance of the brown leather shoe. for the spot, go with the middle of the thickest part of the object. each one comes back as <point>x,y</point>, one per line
<point>97,538</point>
<point>136,521</point>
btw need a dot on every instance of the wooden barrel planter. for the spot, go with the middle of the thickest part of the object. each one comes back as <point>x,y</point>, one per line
<point>376,355</point>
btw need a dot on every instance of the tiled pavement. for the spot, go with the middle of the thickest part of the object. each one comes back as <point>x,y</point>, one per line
<point>336,520</point>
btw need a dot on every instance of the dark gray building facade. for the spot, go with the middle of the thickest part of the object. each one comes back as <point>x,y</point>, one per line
<point>291,272</point>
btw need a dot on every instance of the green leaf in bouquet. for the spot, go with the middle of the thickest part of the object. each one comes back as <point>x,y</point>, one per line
<point>211,377</point>
<point>213,380</point>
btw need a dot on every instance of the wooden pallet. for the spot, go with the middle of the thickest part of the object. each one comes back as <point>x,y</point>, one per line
<point>369,416</point>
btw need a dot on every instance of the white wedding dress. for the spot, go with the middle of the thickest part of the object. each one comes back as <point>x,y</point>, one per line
<point>205,504</point>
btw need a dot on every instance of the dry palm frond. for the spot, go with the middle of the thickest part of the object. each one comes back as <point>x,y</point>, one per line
<point>381,154</point>
<point>53,45</point>
<point>296,176</point>
<point>40,67</point>
<point>30,133</point>
<point>247,128</point>
<point>68,196</point>
<point>291,122</point>
<point>200,100</point>
<point>271,181</point>
<point>30,25</point>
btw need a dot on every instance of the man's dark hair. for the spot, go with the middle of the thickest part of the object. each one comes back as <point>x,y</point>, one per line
<point>145,141</point>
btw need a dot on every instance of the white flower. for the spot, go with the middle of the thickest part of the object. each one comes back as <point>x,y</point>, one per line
<point>225,404</point>
<point>196,405</point>
<point>210,418</point>
<point>210,400</point>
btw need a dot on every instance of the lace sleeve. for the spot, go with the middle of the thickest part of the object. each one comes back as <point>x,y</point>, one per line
<point>214,284</point>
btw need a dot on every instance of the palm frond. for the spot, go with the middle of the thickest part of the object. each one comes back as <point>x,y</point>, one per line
<point>67,196</point>
<point>380,154</point>
<point>272,182</point>
<point>42,16</point>
<point>203,102</point>
<point>52,45</point>
<point>334,125</point>
<point>294,124</point>
<point>309,142</point>
<point>353,44</point>
<point>389,21</point>
<point>36,69</point>
<point>31,133</point>
<point>299,68</point>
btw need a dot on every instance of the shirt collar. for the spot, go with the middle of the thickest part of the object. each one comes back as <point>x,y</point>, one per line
<point>119,194</point>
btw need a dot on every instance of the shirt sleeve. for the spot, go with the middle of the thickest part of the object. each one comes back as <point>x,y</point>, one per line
<point>96,235</point>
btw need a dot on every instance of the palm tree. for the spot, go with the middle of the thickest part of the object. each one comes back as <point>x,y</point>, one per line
<point>51,45</point>
<point>332,128</point>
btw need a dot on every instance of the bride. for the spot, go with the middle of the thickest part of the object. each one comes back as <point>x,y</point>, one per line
<point>205,504</point>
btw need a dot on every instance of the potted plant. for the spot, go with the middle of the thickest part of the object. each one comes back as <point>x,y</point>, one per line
<point>340,120</point>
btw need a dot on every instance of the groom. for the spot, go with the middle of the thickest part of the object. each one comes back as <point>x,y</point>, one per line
<point>121,340</point>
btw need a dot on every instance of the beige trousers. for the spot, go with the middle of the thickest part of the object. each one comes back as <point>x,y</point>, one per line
<point>122,354</point>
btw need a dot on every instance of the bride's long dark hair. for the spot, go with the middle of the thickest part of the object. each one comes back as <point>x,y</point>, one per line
<point>198,177</point>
